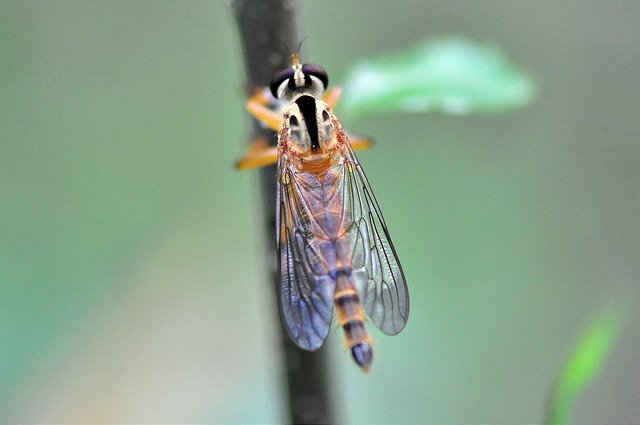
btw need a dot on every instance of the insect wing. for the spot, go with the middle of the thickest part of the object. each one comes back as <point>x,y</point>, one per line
<point>378,275</point>
<point>306,290</point>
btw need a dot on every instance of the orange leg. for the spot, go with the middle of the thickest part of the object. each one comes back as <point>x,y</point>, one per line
<point>261,95</point>
<point>332,97</point>
<point>360,144</point>
<point>259,154</point>
<point>257,105</point>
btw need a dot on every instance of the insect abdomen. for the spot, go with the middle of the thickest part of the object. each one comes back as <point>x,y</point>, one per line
<point>351,318</point>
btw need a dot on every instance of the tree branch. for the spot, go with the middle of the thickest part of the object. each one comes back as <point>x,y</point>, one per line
<point>267,28</point>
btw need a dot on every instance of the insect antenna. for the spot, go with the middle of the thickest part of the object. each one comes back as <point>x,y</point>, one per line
<point>295,54</point>
<point>300,45</point>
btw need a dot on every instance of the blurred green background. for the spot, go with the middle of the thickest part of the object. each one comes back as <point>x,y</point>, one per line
<point>131,289</point>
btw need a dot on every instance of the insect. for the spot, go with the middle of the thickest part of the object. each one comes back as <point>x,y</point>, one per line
<point>334,249</point>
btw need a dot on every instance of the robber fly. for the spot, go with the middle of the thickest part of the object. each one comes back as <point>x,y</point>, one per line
<point>333,245</point>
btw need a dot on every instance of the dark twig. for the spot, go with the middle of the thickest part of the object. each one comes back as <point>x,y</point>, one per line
<point>269,28</point>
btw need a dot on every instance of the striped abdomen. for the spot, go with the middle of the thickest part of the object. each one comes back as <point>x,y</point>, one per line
<point>351,318</point>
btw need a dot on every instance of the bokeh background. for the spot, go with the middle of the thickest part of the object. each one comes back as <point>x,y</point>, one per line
<point>131,270</point>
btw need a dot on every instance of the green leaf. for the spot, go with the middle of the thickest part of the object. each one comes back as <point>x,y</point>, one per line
<point>585,362</point>
<point>453,75</point>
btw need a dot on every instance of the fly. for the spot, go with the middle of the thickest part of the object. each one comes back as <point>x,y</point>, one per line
<point>334,249</point>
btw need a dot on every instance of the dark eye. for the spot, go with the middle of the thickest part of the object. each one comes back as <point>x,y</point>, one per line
<point>317,71</point>
<point>280,78</point>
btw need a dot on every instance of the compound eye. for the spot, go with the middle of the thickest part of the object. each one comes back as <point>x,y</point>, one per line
<point>280,78</point>
<point>317,71</point>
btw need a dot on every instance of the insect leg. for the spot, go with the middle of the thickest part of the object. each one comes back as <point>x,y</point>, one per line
<point>358,143</point>
<point>259,154</point>
<point>332,97</point>
<point>261,95</point>
<point>257,105</point>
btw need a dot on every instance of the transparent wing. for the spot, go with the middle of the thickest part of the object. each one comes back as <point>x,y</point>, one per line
<point>306,290</point>
<point>378,275</point>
